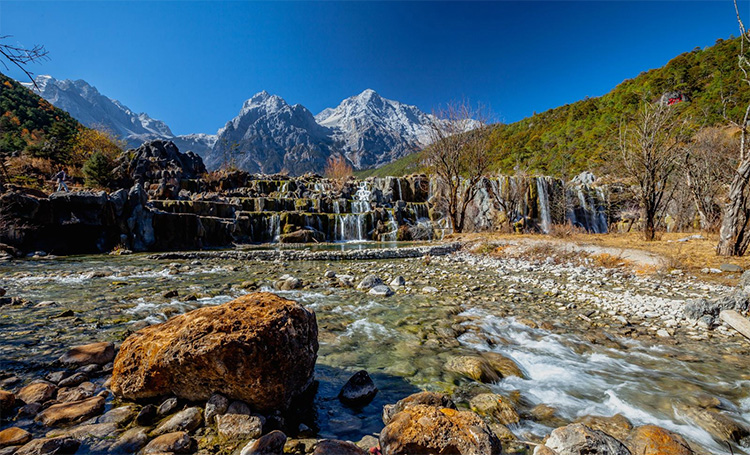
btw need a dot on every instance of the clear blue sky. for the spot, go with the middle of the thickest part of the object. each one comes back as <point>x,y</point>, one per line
<point>192,64</point>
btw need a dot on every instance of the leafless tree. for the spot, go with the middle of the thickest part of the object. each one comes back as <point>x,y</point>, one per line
<point>20,56</point>
<point>508,194</point>
<point>459,155</point>
<point>733,235</point>
<point>651,148</point>
<point>709,167</point>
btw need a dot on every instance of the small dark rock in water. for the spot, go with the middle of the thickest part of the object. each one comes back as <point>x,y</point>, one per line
<point>56,377</point>
<point>147,415</point>
<point>335,447</point>
<point>2,292</point>
<point>270,444</point>
<point>29,410</point>
<point>65,314</point>
<point>359,390</point>
<point>7,402</point>
<point>170,294</point>
<point>369,282</point>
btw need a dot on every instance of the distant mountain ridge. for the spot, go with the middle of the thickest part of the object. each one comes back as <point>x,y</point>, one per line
<point>268,134</point>
<point>84,102</point>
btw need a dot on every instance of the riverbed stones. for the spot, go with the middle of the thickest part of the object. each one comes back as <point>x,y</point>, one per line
<point>259,348</point>
<point>428,429</point>
<point>496,407</point>
<point>73,412</point>
<point>359,390</point>
<point>719,425</point>
<point>369,282</point>
<point>398,282</point>
<point>578,439</point>
<point>120,416</point>
<point>14,436</point>
<point>37,392</point>
<point>94,353</point>
<point>167,407</point>
<point>474,367</point>
<point>178,442</point>
<point>186,420</point>
<point>654,440</point>
<point>270,444</point>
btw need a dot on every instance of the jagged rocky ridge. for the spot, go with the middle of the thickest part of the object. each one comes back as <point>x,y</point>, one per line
<point>171,206</point>
<point>94,110</point>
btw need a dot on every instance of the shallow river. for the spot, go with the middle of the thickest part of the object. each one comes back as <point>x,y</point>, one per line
<point>403,340</point>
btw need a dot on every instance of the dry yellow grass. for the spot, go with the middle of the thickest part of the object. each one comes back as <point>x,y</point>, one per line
<point>691,256</point>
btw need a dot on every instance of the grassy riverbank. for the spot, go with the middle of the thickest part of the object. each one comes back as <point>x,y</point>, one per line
<point>672,251</point>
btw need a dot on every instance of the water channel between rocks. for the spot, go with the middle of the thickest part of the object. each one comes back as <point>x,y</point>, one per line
<point>528,312</point>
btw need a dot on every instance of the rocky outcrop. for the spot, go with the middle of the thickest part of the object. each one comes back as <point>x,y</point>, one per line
<point>259,348</point>
<point>160,162</point>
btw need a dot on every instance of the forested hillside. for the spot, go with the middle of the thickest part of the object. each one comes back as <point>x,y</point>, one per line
<point>583,135</point>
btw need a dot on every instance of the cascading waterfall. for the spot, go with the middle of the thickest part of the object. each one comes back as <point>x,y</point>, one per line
<point>545,217</point>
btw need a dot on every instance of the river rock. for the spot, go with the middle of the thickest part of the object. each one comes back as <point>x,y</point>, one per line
<point>578,439</point>
<point>475,367</point>
<point>167,407</point>
<point>238,427</point>
<point>7,403</point>
<point>50,446</point>
<point>14,436</point>
<point>427,429</point>
<point>398,282</point>
<point>120,416</point>
<point>94,353</point>
<point>381,291</point>
<point>216,405</point>
<point>270,444</point>
<point>66,395</point>
<point>259,348</point>
<point>719,425</point>
<point>434,399</point>
<point>369,282</point>
<point>359,390</point>
<point>731,268</point>
<point>91,432</point>
<point>130,441</point>
<point>336,447</point>
<point>653,440</point>
<point>288,283</point>
<point>186,420</point>
<point>37,392</point>
<point>617,426</point>
<point>73,412</point>
<point>543,450</point>
<point>496,407</point>
<point>503,365</point>
<point>178,442</point>
<point>73,380</point>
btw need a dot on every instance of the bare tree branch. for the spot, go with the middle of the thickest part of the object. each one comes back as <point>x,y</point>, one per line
<point>21,56</point>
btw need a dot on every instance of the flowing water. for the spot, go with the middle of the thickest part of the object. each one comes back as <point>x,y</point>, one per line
<point>403,341</point>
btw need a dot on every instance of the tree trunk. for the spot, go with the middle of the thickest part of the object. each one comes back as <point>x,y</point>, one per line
<point>649,226</point>
<point>732,225</point>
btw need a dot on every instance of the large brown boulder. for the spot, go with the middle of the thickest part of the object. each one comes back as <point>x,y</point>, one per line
<point>423,429</point>
<point>259,348</point>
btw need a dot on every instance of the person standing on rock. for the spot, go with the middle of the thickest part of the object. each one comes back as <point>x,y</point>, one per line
<point>60,179</point>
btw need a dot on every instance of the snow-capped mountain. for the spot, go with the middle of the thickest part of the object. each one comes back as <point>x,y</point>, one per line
<point>84,102</point>
<point>374,131</point>
<point>268,135</point>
